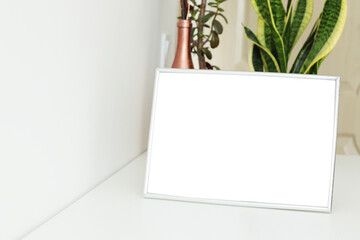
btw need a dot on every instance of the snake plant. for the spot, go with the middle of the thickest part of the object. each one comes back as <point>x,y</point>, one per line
<point>279,29</point>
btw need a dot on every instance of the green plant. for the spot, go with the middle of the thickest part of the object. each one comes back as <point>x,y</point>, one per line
<point>279,29</point>
<point>206,30</point>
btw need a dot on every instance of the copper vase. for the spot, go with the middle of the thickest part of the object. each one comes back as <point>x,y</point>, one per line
<point>183,50</point>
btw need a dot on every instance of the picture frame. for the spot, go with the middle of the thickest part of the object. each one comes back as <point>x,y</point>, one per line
<point>243,138</point>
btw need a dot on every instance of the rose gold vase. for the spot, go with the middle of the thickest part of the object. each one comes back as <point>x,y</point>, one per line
<point>183,50</point>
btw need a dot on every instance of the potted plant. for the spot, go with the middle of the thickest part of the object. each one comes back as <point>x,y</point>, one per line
<point>206,28</point>
<point>279,29</point>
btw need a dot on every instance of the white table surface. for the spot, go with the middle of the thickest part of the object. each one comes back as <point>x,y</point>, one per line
<point>117,210</point>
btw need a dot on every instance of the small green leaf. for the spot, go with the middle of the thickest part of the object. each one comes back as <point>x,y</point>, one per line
<point>207,53</point>
<point>222,15</point>
<point>204,25</point>
<point>209,66</point>
<point>194,12</point>
<point>218,27</point>
<point>208,16</point>
<point>216,67</point>
<point>214,41</point>
<point>193,31</point>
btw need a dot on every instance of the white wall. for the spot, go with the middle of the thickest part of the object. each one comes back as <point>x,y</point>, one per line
<point>75,95</point>
<point>169,11</point>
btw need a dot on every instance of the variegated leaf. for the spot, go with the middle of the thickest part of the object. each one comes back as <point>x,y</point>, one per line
<point>300,19</point>
<point>277,38</point>
<point>305,50</point>
<point>272,63</point>
<point>330,28</point>
<point>266,10</point>
<point>264,37</point>
<point>287,30</point>
<point>278,14</point>
<point>255,61</point>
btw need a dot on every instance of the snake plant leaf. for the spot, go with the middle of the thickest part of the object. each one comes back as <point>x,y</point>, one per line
<point>255,61</point>
<point>277,38</point>
<point>300,20</point>
<point>264,35</point>
<point>289,7</point>
<point>269,64</point>
<point>271,11</point>
<point>268,11</point>
<point>287,30</point>
<point>262,9</point>
<point>300,59</point>
<point>289,10</point>
<point>278,14</point>
<point>265,39</point>
<point>305,50</point>
<point>272,63</point>
<point>314,69</point>
<point>330,28</point>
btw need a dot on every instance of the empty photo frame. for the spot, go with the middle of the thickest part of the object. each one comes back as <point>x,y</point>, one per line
<point>240,138</point>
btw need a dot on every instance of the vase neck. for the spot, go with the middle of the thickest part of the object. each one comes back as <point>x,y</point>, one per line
<point>183,50</point>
